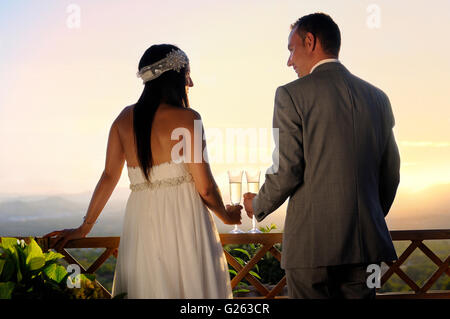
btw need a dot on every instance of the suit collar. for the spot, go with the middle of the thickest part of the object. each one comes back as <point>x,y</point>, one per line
<point>329,66</point>
<point>322,62</point>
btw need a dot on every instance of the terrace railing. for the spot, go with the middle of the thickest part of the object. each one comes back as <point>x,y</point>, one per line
<point>267,243</point>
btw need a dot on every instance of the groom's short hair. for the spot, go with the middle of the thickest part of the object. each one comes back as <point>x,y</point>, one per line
<point>322,27</point>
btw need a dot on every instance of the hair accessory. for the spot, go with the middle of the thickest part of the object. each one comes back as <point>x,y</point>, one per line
<point>175,60</point>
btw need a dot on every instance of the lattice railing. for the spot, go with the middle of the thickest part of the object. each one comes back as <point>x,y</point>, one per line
<point>110,243</point>
<point>268,241</point>
<point>416,237</point>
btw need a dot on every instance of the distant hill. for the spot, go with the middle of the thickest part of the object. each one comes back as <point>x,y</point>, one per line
<point>427,209</point>
<point>36,215</point>
<point>50,207</point>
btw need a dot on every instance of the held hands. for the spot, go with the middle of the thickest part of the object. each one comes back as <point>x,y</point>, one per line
<point>65,235</point>
<point>248,197</point>
<point>233,215</point>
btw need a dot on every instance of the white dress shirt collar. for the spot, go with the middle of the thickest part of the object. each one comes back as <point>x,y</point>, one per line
<point>322,62</point>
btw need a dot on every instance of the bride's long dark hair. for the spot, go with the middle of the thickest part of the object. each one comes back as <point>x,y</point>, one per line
<point>169,88</point>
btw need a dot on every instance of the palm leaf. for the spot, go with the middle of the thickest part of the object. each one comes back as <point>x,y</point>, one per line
<point>244,252</point>
<point>240,261</point>
<point>254,274</point>
<point>241,290</point>
<point>232,271</point>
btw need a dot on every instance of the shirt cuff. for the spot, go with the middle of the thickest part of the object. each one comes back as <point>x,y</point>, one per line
<point>259,215</point>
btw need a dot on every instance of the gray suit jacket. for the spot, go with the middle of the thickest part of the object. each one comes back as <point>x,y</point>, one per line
<point>339,164</point>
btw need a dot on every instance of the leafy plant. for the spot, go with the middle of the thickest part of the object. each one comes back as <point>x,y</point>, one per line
<point>267,229</point>
<point>248,251</point>
<point>242,286</point>
<point>26,272</point>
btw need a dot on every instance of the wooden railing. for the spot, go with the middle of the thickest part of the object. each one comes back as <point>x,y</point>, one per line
<point>268,240</point>
<point>416,237</point>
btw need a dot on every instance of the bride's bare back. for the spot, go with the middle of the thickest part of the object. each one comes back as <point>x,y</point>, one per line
<point>167,118</point>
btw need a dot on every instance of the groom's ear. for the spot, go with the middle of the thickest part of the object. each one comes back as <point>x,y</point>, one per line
<point>309,41</point>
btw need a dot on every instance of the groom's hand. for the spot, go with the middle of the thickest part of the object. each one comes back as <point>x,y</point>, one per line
<point>248,197</point>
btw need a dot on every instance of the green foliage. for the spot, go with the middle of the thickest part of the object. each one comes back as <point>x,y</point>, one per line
<point>88,289</point>
<point>267,270</point>
<point>6,289</point>
<point>244,252</point>
<point>267,229</point>
<point>86,256</point>
<point>26,272</point>
<point>55,272</point>
<point>242,285</point>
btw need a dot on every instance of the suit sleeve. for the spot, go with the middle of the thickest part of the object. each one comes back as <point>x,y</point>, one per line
<point>389,167</point>
<point>286,173</point>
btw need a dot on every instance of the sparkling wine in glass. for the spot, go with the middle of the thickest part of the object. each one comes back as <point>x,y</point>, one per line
<point>235,180</point>
<point>252,177</point>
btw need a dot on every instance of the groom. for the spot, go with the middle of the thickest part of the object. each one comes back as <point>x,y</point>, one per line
<point>338,163</point>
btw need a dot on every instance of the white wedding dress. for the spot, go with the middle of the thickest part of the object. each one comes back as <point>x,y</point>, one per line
<point>169,247</point>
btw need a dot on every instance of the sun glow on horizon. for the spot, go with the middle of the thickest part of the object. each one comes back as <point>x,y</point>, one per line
<point>62,87</point>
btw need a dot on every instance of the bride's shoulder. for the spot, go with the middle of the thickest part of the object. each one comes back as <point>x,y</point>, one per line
<point>126,112</point>
<point>186,114</point>
<point>185,117</point>
<point>124,117</point>
<point>191,113</point>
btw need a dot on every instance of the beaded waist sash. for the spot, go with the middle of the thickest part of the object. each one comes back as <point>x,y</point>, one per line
<point>174,181</point>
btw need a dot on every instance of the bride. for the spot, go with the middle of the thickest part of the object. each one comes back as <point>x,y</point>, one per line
<point>169,246</point>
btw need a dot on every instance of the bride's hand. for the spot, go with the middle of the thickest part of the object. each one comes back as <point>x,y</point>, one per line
<point>65,235</point>
<point>234,215</point>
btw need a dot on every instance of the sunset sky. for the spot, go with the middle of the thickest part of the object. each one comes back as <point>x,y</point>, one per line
<point>63,84</point>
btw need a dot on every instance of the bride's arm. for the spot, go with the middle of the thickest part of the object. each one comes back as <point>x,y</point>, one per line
<point>115,159</point>
<point>204,181</point>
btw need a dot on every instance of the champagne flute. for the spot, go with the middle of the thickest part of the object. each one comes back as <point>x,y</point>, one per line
<point>235,180</point>
<point>252,177</point>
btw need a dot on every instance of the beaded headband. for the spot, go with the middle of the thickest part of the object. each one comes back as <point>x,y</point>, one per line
<point>175,60</point>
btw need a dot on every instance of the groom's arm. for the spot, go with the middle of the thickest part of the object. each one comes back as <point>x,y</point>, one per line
<point>286,173</point>
<point>389,167</point>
